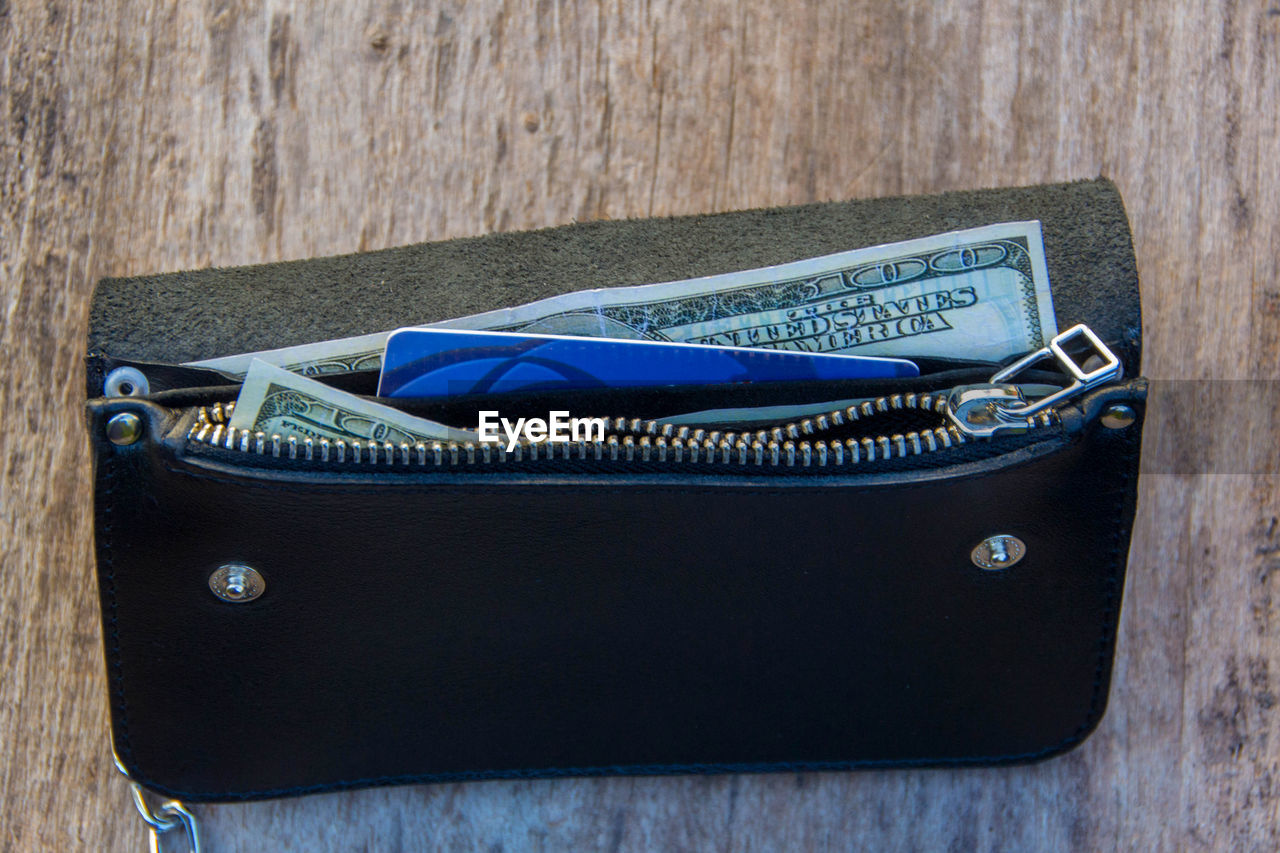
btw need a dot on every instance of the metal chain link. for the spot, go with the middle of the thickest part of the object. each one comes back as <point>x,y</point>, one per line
<point>169,823</point>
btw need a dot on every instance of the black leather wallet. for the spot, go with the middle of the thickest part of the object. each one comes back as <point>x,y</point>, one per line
<point>870,589</point>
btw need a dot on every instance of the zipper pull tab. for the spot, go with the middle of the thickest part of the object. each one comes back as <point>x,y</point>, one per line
<point>982,411</point>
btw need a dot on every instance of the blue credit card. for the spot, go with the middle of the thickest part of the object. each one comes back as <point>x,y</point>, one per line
<point>428,363</point>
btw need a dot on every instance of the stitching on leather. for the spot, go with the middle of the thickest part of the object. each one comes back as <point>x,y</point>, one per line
<point>1105,644</point>
<point>1110,626</point>
<point>611,770</point>
<point>107,527</point>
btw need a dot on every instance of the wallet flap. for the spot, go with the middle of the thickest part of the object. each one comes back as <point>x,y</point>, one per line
<point>186,316</point>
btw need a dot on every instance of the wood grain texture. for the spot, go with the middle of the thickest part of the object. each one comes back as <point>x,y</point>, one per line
<point>143,136</point>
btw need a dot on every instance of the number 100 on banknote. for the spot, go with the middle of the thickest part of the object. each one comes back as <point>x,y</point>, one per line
<point>979,294</point>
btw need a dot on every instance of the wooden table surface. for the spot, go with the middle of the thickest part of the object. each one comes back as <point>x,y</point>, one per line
<point>139,137</point>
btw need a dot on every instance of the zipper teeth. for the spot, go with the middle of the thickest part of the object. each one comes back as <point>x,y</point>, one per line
<point>630,439</point>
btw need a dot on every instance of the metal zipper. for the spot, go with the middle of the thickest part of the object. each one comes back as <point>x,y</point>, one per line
<point>794,444</point>
<point>965,413</point>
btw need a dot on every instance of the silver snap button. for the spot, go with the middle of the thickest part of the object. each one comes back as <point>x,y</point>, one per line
<point>237,583</point>
<point>124,428</point>
<point>998,552</point>
<point>1118,416</point>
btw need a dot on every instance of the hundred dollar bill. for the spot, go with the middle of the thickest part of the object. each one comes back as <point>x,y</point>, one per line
<point>980,294</point>
<point>277,402</point>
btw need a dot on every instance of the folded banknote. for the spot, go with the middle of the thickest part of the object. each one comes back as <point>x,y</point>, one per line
<point>980,294</point>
